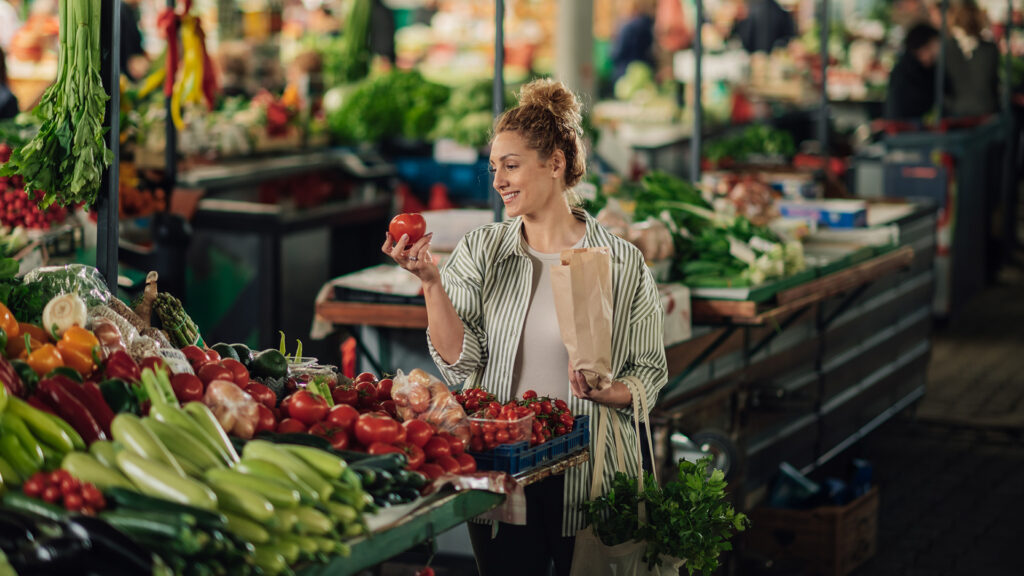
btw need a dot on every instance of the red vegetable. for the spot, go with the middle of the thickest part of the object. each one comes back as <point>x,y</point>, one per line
<point>70,409</point>
<point>209,372</point>
<point>449,464</point>
<point>291,426</point>
<point>9,378</point>
<point>367,393</point>
<point>262,394</point>
<point>196,356</point>
<point>343,416</point>
<point>266,421</point>
<point>437,447</point>
<point>418,432</point>
<point>90,395</point>
<point>187,387</point>
<point>431,470</point>
<point>120,365</point>
<point>241,374</point>
<point>377,448</point>
<point>333,434</point>
<point>467,463</point>
<point>384,389</point>
<point>307,408</point>
<point>414,454</point>
<point>345,395</point>
<point>412,224</point>
<point>371,428</point>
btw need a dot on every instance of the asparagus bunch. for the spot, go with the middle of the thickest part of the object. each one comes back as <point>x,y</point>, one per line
<point>176,322</point>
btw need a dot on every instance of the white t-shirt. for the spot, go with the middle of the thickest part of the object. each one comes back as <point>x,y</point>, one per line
<point>542,362</point>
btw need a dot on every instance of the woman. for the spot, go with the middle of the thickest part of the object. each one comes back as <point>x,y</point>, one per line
<point>972,64</point>
<point>491,319</point>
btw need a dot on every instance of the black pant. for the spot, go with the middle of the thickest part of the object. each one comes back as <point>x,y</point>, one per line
<point>529,549</point>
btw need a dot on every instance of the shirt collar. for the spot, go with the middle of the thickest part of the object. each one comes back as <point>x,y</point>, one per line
<point>511,244</point>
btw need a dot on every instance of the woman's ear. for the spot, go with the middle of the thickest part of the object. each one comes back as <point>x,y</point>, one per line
<point>557,164</point>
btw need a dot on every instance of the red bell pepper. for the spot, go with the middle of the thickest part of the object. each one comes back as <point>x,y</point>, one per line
<point>120,365</point>
<point>70,409</point>
<point>90,395</point>
<point>10,379</point>
<point>38,404</point>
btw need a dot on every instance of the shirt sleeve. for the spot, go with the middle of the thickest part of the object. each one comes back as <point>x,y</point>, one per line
<point>645,368</point>
<point>462,280</point>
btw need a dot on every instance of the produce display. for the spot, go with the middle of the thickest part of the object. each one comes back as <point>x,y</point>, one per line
<point>493,424</point>
<point>391,105</point>
<point>756,142</point>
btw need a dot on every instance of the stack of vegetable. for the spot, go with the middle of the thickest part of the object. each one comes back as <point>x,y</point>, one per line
<point>756,142</point>
<point>467,116</point>
<point>391,105</point>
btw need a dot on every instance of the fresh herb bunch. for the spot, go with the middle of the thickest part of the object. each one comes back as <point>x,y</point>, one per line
<point>688,518</point>
<point>394,104</point>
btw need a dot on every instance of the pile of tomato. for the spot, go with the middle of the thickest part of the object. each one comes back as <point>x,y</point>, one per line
<point>60,487</point>
<point>551,418</point>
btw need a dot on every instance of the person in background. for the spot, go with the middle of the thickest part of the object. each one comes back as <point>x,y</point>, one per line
<point>635,40</point>
<point>382,32</point>
<point>10,22</point>
<point>912,81</point>
<point>425,13</point>
<point>972,63</point>
<point>134,61</point>
<point>8,101</point>
<point>762,25</point>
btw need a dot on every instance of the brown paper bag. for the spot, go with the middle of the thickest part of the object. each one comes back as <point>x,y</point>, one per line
<point>583,302</point>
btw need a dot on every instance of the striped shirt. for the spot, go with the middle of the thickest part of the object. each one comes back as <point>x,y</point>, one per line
<point>488,279</point>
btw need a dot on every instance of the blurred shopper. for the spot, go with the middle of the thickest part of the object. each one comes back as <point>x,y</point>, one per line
<point>972,63</point>
<point>912,81</point>
<point>8,101</point>
<point>382,32</point>
<point>134,61</point>
<point>762,25</point>
<point>635,40</point>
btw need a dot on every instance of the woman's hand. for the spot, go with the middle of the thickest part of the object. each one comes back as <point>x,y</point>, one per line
<point>617,395</point>
<point>417,259</point>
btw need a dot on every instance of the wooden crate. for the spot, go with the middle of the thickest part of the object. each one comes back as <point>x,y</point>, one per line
<point>831,540</point>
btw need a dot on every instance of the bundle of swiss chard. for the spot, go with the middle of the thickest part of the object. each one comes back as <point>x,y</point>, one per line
<point>688,518</point>
<point>66,159</point>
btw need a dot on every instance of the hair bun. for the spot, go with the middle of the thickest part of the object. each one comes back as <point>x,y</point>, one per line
<point>554,96</point>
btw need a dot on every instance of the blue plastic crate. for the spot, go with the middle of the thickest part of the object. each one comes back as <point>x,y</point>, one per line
<point>519,457</point>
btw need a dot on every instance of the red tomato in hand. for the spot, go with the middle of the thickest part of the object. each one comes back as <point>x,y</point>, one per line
<point>265,422</point>
<point>333,434</point>
<point>343,416</point>
<point>262,394</point>
<point>307,408</point>
<point>187,387</point>
<point>373,427</point>
<point>418,432</point>
<point>241,373</point>
<point>345,395</point>
<point>414,454</point>
<point>384,389</point>
<point>210,371</point>
<point>437,447</point>
<point>467,463</point>
<point>412,224</point>
<point>291,426</point>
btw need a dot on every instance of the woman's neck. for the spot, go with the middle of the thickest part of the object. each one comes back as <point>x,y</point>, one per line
<point>553,230</point>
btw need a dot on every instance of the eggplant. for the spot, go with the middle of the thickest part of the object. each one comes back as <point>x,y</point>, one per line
<point>124,555</point>
<point>61,555</point>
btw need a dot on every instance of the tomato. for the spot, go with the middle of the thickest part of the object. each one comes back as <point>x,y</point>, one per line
<point>291,426</point>
<point>73,502</point>
<point>413,453</point>
<point>154,362</point>
<point>561,405</point>
<point>241,373</point>
<point>343,416</point>
<point>529,395</point>
<point>418,432</point>
<point>457,445</point>
<point>412,224</point>
<point>265,421</point>
<point>384,389</point>
<point>212,355</point>
<point>333,434</point>
<point>307,408</point>
<point>431,470</point>
<point>195,355</point>
<point>93,497</point>
<point>373,427</point>
<point>467,463</point>
<point>32,487</point>
<point>437,447</point>
<point>377,448</point>
<point>364,377</point>
<point>210,371</point>
<point>345,395</point>
<point>402,435</point>
<point>425,571</point>
<point>501,437</point>
<point>449,464</point>
<point>262,394</point>
<point>187,387</point>
<point>389,407</point>
<point>476,444</point>
<point>367,392</point>
<point>50,494</point>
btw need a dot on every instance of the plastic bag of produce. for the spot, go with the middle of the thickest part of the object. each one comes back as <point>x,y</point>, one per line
<point>55,280</point>
<point>108,334</point>
<point>420,396</point>
<point>236,410</point>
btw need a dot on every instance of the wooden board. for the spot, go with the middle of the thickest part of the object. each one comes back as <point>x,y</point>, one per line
<point>365,314</point>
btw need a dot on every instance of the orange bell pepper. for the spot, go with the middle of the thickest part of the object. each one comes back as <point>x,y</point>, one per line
<point>78,347</point>
<point>36,332</point>
<point>16,346</point>
<point>8,323</point>
<point>44,359</point>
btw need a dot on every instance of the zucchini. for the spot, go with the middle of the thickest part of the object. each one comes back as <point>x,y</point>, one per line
<point>343,513</point>
<point>312,521</point>
<point>327,465</point>
<point>20,502</point>
<point>247,529</point>
<point>289,548</point>
<point>104,452</point>
<point>9,475</point>
<point>270,560</point>
<point>156,479</point>
<point>212,431</point>
<point>183,445</point>
<point>210,520</point>
<point>12,424</point>
<point>390,462</point>
<point>271,471</point>
<point>237,499</point>
<point>280,495</point>
<point>285,520</point>
<point>156,526</point>
<point>42,426</point>
<point>263,450</point>
<point>14,454</point>
<point>129,431</point>
<point>88,469</point>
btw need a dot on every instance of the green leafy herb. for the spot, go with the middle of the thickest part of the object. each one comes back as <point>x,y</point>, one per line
<point>24,302</point>
<point>394,104</point>
<point>688,518</point>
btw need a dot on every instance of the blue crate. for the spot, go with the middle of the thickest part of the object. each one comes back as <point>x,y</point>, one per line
<point>519,457</point>
<point>467,181</point>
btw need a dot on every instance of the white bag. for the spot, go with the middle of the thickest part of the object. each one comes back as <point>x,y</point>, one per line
<point>591,557</point>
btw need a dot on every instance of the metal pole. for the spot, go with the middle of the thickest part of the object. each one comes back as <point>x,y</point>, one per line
<point>1008,61</point>
<point>698,110</point>
<point>823,119</point>
<point>170,141</point>
<point>499,83</point>
<point>940,66</point>
<point>107,203</point>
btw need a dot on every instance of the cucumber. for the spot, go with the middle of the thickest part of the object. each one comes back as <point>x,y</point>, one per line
<point>312,521</point>
<point>342,513</point>
<point>14,453</point>
<point>129,431</point>
<point>237,499</point>
<point>212,430</point>
<point>9,475</point>
<point>270,560</point>
<point>163,527</point>
<point>278,494</point>
<point>285,520</point>
<point>323,545</point>
<point>207,519</point>
<point>328,465</point>
<point>20,502</point>
<point>289,548</point>
<point>88,469</point>
<point>12,424</point>
<point>263,450</point>
<point>42,426</point>
<point>161,481</point>
<point>390,462</point>
<point>247,529</point>
<point>104,452</point>
<point>183,445</point>
<point>272,471</point>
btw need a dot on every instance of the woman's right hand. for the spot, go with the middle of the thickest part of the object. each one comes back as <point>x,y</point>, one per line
<point>416,259</point>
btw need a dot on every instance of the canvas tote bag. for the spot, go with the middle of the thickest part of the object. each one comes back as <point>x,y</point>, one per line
<point>591,557</point>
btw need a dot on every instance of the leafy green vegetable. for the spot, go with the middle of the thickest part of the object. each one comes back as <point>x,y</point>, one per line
<point>756,139</point>
<point>22,300</point>
<point>468,115</point>
<point>689,517</point>
<point>397,103</point>
<point>66,159</point>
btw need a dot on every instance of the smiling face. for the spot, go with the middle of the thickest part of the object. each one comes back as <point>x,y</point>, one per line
<point>528,185</point>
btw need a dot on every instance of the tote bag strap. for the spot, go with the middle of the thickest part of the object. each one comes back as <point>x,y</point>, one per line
<point>605,418</point>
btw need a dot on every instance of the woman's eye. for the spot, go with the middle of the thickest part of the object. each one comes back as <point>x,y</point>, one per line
<point>510,167</point>
<point>492,169</point>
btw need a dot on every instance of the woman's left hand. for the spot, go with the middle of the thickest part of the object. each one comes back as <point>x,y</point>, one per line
<point>617,395</point>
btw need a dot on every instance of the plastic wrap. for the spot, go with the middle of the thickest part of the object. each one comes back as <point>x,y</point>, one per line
<point>653,238</point>
<point>126,329</point>
<point>84,280</point>
<point>108,334</point>
<point>236,410</point>
<point>512,511</point>
<point>143,347</point>
<point>420,396</point>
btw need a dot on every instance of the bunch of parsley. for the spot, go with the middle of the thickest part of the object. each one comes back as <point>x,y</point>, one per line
<point>688,518</point>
